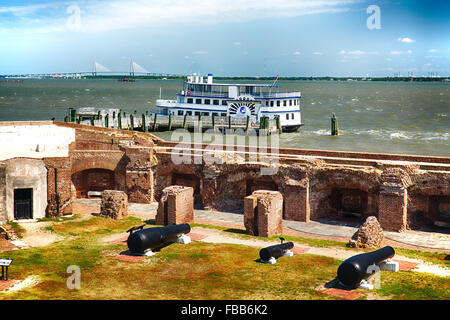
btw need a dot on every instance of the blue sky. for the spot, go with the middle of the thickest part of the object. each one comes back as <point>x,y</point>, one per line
<point>229,38</point>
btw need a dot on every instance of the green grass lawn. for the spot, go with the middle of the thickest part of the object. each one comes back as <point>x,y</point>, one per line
<point>194,271</point>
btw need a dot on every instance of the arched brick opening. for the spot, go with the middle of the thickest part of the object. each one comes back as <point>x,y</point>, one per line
<point>92,180</point>
<point>349,202</point>
<point>439,208</point>
<point>344,196</point>
<point>260,184</point>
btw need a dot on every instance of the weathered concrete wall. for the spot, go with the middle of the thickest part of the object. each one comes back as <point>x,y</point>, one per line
<point>22,174</point>
<point>3,215</point>
<point>34,141</point>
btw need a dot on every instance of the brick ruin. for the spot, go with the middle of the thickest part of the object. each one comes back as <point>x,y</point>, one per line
<point>176,206</point>
<point>263,213</point>
<point>401,191</point>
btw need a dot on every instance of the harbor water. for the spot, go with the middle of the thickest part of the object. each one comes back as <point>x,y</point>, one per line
<point>385,117</point>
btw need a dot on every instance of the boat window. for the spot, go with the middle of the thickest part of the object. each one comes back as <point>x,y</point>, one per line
<point>223,114</point>
<point>190,100</point>
<point>287,116</point>
<point>278,103</point>
<point>271,103</point>
<point>189,113</point>
<point>180,112</point>
<point>267,102</point>
<point>197,113</point>
<point>295,102</point>
<point>290,102</point>
<point>246,90</point>
<point>224,102</point>
<point>216,102</point>
<point>215,114</point>
<point>207,101</point>
<point>205,113</point>
<point>284,103</point>
<point>198,101</point>
<point>293,116</point>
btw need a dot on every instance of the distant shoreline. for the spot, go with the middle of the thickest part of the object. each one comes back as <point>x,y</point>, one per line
<point>328,78</point>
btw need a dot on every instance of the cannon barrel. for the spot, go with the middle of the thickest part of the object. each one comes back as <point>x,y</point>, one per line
<point>275,251</point>
<point>353,270</point>
<point>152,238</point>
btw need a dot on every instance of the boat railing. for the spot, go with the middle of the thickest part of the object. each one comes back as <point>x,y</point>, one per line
<point>256,95</point>
<point>214,94</point>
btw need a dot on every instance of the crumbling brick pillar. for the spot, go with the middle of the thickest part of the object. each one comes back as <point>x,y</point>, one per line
<point>393,200</point>
<point>296,201</point>
<point>176,206</point>
<point>209,187</point>
<point>263,213</point>
<point>59,180</point>
<point>114,204</point>
<point>139,175</point>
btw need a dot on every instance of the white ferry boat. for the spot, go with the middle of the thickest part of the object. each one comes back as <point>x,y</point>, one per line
<point>206,98</point>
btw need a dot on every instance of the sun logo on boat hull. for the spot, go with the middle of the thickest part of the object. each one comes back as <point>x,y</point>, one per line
<point>242,109</point>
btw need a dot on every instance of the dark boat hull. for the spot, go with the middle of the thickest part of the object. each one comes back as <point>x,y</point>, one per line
<point>291,128</point>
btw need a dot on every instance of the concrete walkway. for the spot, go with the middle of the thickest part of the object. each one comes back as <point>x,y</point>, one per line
<point>432,240</point>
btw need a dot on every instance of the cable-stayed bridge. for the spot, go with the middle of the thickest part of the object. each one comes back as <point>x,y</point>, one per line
<point>97,70</point>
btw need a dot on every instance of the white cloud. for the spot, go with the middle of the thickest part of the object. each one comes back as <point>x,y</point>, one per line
<point>394,52</point>
<point>237,44</point>
<point>432,50</point>
<point>406,40</point>
<point>388,59</point>
<point>200,52</point>
<point>100,16</point>
<point>296,53</point>
<point>317,53</point>
<point>356,52</point>
<point>409,52</point>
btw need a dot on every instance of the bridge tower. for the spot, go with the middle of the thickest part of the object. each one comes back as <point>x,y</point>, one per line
<point>94,69</point>
<point>132,68</point>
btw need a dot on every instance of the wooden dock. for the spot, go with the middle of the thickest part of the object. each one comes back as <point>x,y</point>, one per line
<point>154,122</point>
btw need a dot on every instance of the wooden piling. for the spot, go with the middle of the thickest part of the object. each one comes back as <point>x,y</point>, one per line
<point>185,122</point>
<point>169,125</point>
<point>144,123</point>
<point>334,125</point>
<point>155,124</point>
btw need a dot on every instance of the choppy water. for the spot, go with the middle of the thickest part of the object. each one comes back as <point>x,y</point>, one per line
<point>389,117</point>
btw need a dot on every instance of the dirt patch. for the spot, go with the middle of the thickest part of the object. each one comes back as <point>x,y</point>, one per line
<point>37,236</point>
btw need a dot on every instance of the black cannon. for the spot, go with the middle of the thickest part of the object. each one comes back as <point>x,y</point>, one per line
<point>275,251</point>
<point>353,270</point>
<point>152,238</point>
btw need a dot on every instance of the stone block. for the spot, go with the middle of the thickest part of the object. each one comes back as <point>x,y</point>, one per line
<point>114,204</point>
<point>265,218</point>
<point>369,235</point>
<point>176,206</point>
